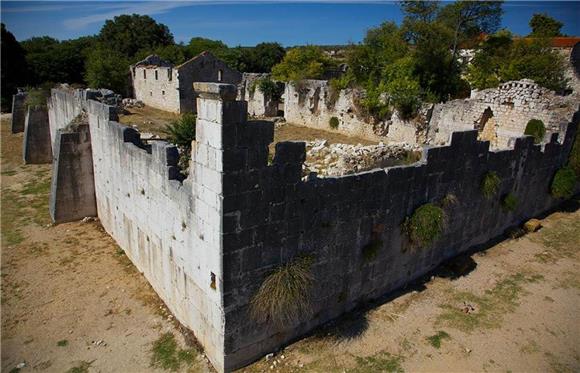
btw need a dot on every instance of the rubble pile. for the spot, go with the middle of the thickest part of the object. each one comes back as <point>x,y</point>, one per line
<point>344,159</point>
<point>129,103</point>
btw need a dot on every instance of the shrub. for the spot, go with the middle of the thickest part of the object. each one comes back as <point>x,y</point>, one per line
<point>490,184</point>
<point>270,88</point>
<point>425,225</point>
<point>536,129</point>
<point>574,159</point>
<point>283,296</point>
<point>37,97</point>
<point>509,202</point>
<point>181,132</point>
<point>333,123</point>
<point>564,183</point>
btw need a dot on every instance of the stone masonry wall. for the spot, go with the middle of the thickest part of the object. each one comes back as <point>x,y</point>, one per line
<point>207,243</point>
<point>18,112</point>
<point>167,227</point>
<point>161,92</point>
<point>72,194</point>
<point>271,216</point>
<point>258,104</point>
<point>500,114</point>
<point>37,146</point>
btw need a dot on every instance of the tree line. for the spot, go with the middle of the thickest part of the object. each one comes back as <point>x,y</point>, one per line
<point>103,60</point>
<point>402,66</point>
<point>399,66</point>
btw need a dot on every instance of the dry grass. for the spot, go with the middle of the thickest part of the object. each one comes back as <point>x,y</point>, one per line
<point>284,296</point>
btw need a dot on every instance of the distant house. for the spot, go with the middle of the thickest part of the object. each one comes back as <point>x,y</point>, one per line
<point>161,85</point>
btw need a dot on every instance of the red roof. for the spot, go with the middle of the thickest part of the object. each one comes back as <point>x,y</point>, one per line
<point>560,41</point>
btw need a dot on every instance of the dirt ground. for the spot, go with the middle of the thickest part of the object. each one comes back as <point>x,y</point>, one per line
<point>72,302</point>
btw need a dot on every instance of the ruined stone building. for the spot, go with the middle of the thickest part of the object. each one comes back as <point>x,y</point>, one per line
<point>161,85</point>
<point>208,242</point>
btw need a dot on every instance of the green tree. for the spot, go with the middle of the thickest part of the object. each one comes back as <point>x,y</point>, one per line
<point>544,26</point>
<point>13,67</point>
<point>198,45</point>
<point>262,57</point>
<point>107,68</point>
<point>308,62</point>
<point>127,34</point>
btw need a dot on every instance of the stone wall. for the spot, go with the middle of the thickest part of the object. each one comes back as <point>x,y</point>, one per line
<point>37,145</point>
<point>167,227</point>
<point>72,194</point>
<point>157,86</point>
<point>207,243</point>
<point>271,216</point>
<point>311,103</point>
<point>18,112</point>
<point>258,104</point>
<point>501,114</point>
<point>163,86</point>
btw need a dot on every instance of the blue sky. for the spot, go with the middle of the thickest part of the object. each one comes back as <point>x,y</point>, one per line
<point>246,22</point>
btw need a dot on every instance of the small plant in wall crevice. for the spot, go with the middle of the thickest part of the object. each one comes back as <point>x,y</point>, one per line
<point>564,183</point>
<point>490,184</point>
<point>284,296</point>
<point>509,202</point>
<point>370,250</point>
<point>425,225</point>
<point>333,123</point>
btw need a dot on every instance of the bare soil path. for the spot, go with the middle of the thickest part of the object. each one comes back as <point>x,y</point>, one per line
<point>72,302</point>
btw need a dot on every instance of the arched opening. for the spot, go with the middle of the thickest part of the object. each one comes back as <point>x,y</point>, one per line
<point>487,127</point>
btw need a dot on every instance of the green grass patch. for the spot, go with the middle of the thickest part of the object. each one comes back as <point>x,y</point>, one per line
<point>490,185</point>
<point>62,343</point>
<point>382,362</point>
<point>82,367</point>
<point>489,308</point>
<point>536,129</point>
<point>425,225</point>
<point>564,183</point>
<point>167,355</point>
<point>559,240</point>
<point>435,340</point>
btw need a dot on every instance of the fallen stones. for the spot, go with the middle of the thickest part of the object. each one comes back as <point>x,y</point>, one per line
<point>532,225</point>
<point>128,103</point>
<point>343,159</point>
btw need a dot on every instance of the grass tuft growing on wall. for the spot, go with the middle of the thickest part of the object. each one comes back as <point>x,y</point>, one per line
<point>283,297</point>
<point>490,184</point>
<point>564,183</point>
<point>509,202</point>
<point>425,225</point>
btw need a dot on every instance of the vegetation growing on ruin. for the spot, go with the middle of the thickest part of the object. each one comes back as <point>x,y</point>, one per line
<point>574,158</point>
<point>564,183</point>
<point>283,297</point>
<point>300,63</point>
<point>500,58</point>
<point>370,250</point>
<point>536,129</point>
<point>37,97</point>
<point>167,354</point>
<point>181,132</point>
<point>509,202</point>
<point>425,225</point>
<point>490,184</point>
<point>270,89</point>
<point>333,122</point>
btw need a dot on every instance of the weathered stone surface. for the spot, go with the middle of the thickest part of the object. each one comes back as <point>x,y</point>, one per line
<point>18,112</point>
<point>37,141</point>
<point>72,193</point>
<point>214,237</point>
<point>532,225</point>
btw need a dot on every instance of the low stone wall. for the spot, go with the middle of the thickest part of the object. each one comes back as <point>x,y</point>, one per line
<point>37,147</point>
<point>18,112</point>
<point>72,194</point>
